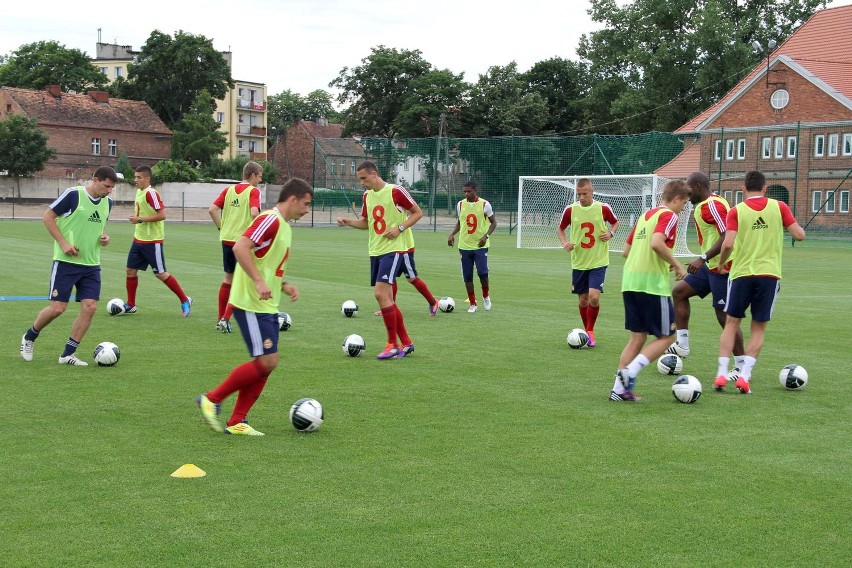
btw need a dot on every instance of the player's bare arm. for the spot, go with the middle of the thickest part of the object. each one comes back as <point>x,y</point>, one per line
<point>658,245</point>
<point>243,254</point>
<point>354,223</point>
<point>290,290</point>
<point>566,244</point>
<point>451,240</point>
<point>49,219</point>
<point>607,235</point>
<point>216,215</point>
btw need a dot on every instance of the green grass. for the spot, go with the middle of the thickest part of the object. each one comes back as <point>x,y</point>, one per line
<point>493,445</point>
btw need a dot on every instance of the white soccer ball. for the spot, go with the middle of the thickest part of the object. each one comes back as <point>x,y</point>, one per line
<point>686,389</point>
<point>793,377</point>
<point>284,321</point>
<point>306,415</point>
<point>354,345</point>
<point>577,338</point>
<point>669,364</point>
<point>106,354</point>
<point>446,304</point>
<point>115,307</point>
<point>349,308</point>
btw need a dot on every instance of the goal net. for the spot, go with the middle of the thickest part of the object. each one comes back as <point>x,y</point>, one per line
<point>541,201</point>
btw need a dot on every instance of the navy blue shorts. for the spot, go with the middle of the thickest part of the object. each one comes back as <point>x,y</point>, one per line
<point>469,258</point>
<point>64,276</point>
<point>387,267</point>
<point>260,331</point>
<point>229,261</point>
<point>705,281</point>
<point>647,313</point>
<point>759,292</point>
<point>143,255</point>
<point>583,280</point>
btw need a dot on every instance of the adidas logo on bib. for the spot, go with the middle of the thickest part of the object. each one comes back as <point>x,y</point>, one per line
<point>95,217</point>
<point>759,224</point>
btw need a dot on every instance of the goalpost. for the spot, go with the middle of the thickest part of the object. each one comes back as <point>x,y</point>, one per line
<point>542,199</point>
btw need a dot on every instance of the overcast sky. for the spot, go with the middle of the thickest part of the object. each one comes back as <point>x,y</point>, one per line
<point>302,45</point>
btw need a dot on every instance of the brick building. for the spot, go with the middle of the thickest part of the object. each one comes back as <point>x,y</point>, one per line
<point>791,118</point>
<point>91,130</point>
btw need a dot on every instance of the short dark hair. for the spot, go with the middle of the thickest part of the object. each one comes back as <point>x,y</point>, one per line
<point>698,179</point>
<point>144,170</point>
<point>754,181</point>
<point>294,186</point>
<point>583,182</point>
<point>368,165</point>
<point>471,184</point>
<point>104,173</point>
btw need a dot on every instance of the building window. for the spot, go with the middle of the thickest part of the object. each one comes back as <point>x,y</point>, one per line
<point>240,144</point>
<point>829,201</point>
<point>791,147</point>
<point>105,71</point>
<point>779,99</point>
<point>740,150</point>
<point>342,168</point>
<point>816,201</point>
<point>819,146</point>
<point>779,147</point>
<point>729,150</point>
<point>833,140</point>
<point>333,168</point>
<point>728,196</point>
<point>352,168</point>
<point>766,148</point>
<point>847,144</point>
<point>240,91</point>
<point>844,202</point>
<point>252,146</point>
<point>717,154</point>
<point>220,117</point>
<point>118,72</point>
<point>96,146</point>
<point>240,118</point>
<point>738,197</point>
<point>113,147</point>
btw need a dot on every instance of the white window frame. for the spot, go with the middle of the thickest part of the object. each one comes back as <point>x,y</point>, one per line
<point>816,201</point>
<point>766,145</point>
<point>105,71</point>
<point>252,146</point>
<point>220,117</point>
<point>718,152</point>
<point>342,168</point>
<point>240,117</point>
<point>741,148</point>
<point>333,168</point>
<point>738,197</point>
<point>240,144</point>
<point>847,143</point>
<point>113,147</point>
<point>829,201</point>
<point>819,145</point>
<point>728,196</point>
<point>96,146</point>
<point>779,147</point>
<point>779,99</point>
<point>729,150</point>
<point>352,168</point>
<point>792,146</point>
<point>833,144</point>
<point>844,201</point>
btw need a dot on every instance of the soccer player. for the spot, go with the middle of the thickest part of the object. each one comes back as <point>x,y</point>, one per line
<point>709,213</point>
<point>755,275</point>
<point>259,278</point>
<point>383,216</point>
<point>232,212</point>
<point>645,287</point>
<point>76,220</point>
<point>473,242</point>
<point>147,247</point>
<point>589,250</point>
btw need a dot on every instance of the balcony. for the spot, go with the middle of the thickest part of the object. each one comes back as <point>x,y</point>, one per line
<point>257,155</point>
<point>245,130</point>
<point>251,105</point>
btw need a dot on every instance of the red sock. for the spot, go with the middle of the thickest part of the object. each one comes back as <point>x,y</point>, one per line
<point>389,315</point>
<point>485,291</point>
<point>132,283</point>
<point>224,294</point>
<point>424,290</point>
<point>173,285</point>
<point>584,316</point>
<point>395,288</point>
<point>245,400</point>
<point>471,296</point>
<point>592,317</point>
<point>241,376</point>
<point>229,310</point>
<point>400,328</point>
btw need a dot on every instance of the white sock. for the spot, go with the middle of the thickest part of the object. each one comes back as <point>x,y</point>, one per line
<point>683,338</point>
<point>748,365</point>
<point>722,369</point>
<point>618,388</point>
<point>739,361</point>
<point>636,365</point>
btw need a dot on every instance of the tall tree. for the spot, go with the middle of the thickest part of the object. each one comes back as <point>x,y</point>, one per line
<point>318,104</point>
<point>282,110</point>
<point>169,73</point>
<point>375,90</point>
<point>501,106</point>
<point>34,65</point>
<point>428,97</point>
<point>197,138</point>
<point>563,84</point>
<point>23,148</point>
<point>657,63</point>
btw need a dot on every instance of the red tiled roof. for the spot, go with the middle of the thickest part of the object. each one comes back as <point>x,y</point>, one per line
<point>688,161</point>
<point>820,45</point>
<point>82,110</point>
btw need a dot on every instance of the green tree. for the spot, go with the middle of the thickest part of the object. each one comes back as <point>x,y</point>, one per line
<point>174,171</point>
<point>563,84</point>
<point>375,91</point>
<point>318,104</point>
<point>34,65</point>
<point>169,73</point>
<point>23,148</point>
<point>197,138</point>
<point>428,97</point>
<point>282,110</point>
<point>501,105</point>
<point>122,166</point>
<point>658,63</point>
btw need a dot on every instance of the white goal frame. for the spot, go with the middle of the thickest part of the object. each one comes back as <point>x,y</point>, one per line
<point>542,199</point>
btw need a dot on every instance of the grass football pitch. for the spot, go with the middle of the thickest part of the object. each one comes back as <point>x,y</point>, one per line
<point>494,444</point>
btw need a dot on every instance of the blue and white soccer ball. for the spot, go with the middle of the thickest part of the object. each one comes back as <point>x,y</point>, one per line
<point>686,389</point>
<point>669,364</point>
<point>106,354</point>
<point>306,415</point>
<point>349,308</point>
<point>115,307</point>
<point>577,338</point>
<point>793,377</point>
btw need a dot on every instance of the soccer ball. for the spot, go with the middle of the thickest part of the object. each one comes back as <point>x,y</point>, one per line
<point>284,321</point>
<point>349,308</point>
<point>669,364</point>
<point>306,415</point>
<point>686,389</point>
<point>793,377</point>
<point>577,338</point>
<point>106,354</point>
<point>115,307</point>
<point>446,304</point>
<point>354,345</point>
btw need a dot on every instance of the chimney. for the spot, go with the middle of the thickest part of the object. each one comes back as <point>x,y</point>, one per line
<point>100,97</point>
<point>322,121</point>
<point>54,91</point>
